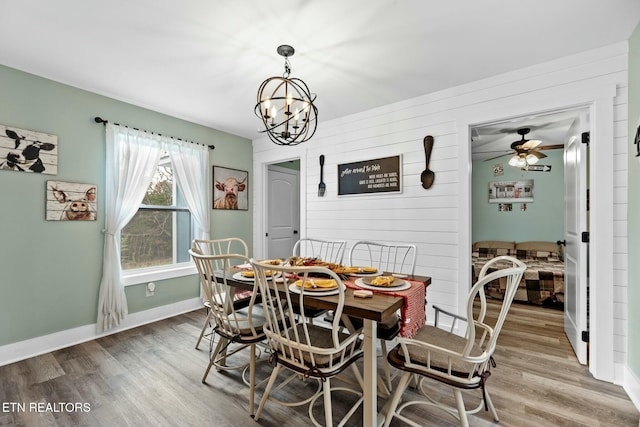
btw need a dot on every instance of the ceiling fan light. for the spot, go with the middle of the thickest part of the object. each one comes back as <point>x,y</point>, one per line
<point>532,159</point>
<point>517,161</point>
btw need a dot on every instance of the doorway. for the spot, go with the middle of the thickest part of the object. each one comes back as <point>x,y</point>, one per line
<point>550,216</point>
<point>282,208</point>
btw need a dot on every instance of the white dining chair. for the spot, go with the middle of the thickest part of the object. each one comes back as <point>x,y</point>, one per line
<point>389,258</point>
<point>326,250</point>
<point>460,363</point>
<point>241,299</point>
<point>236,329</point>
<point>301,347</point>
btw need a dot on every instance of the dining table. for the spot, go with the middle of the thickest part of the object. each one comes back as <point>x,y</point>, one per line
<point>377,308</point>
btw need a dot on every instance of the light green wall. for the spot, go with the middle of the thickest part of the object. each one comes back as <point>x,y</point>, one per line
<point>633,237</point>
<point>544,218</point>
<point>50,270</point>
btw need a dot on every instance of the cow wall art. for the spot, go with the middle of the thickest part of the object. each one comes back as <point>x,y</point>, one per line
<point>68,201</point>
<point>28,151</point>
<point>230,189</point>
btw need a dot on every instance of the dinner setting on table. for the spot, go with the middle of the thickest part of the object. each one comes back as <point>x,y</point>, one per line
<point>316,317</point>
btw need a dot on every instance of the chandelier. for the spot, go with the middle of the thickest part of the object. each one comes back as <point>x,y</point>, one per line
<point>285,106</point>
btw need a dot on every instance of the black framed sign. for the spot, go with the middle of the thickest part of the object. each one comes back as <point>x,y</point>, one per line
<point>370,176</point>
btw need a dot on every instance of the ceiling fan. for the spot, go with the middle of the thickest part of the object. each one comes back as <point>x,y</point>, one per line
<point>527,151</point>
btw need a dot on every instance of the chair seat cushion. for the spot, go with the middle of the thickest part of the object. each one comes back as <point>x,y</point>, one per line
<point>240,330</point>
<point>321,338</point>
<point>439,361</point>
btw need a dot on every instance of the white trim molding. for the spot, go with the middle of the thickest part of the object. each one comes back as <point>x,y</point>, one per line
<point>18,351</point>
<point>632,386</point>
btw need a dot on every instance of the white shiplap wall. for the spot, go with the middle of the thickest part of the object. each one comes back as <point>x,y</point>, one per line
<point>438,220</point>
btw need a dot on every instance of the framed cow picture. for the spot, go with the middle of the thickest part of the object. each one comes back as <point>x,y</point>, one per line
<point>230,189</point>
<point>24,150</point>
<point>69,201</point>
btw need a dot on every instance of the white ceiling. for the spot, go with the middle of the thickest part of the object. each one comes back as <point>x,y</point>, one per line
<point>203,60</point>
<point>494,139</point>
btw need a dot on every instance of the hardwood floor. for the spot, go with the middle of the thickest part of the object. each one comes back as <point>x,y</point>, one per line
<point>151,376</point>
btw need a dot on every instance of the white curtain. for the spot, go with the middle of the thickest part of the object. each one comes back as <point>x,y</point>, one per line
<point>191,167</point>
<point>132,157</point>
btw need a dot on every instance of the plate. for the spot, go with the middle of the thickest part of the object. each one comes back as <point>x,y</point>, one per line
<point>296,290</point>
<point>238,276</point>
<point>374,274</point>
<point>403,285</point>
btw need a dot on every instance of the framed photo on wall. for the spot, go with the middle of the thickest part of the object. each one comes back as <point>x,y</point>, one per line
<point>70,201</point>
<point>24,150</point>
<point>230,189</point>
<point>511,191</point>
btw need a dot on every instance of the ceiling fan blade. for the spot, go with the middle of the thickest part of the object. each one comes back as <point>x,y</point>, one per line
<point>530,145</point>
<point>496,157</point>
<point>550,147</point>
<point>537,154</point>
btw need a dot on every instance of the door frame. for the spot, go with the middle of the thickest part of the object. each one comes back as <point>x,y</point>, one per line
<point>600,102</point>
<point>261,186</point>
<point>273,167</point>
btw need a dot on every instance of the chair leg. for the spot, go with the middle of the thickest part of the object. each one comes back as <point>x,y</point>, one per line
<point>402,385</point>
<point>267,390</point>
<point>385,364</point>
<point>222,360</point>
<point>328,418</point>
<point>462,412</point>
<point>252,377</point>
<point>212,360</point>
<point>492,408</point>
<point>356,373</point>
<point>204,328</point>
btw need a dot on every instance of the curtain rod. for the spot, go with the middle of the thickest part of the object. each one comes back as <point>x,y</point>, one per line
<point>104,122</point>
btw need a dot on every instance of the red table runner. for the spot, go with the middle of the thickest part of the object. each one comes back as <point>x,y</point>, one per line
<point>413,313</point>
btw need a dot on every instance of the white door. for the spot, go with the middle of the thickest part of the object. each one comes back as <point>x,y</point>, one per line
<point>575,256</point>
<point>283,211</point>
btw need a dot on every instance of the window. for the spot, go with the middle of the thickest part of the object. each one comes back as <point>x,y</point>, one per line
<point>158,237</point>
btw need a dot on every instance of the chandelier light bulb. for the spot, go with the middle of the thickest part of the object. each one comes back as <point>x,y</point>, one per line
<point>266,104</point>
<point>296,116</point>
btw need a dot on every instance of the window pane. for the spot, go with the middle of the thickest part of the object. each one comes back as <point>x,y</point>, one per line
<point>160,191</point>
<point>183,236</point>
<point>157,237</point>
<point>147,240</point>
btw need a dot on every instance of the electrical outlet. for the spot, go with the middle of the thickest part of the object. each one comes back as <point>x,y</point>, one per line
<point>150,289</point>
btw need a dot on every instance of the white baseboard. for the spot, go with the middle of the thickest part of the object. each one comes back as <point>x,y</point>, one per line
<point>15,352</point>
<point>632,387</point>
